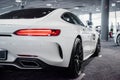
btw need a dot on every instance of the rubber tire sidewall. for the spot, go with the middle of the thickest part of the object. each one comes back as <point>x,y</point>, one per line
<point>97,50</point>
<point>117,40</point>
<point>71,69</point>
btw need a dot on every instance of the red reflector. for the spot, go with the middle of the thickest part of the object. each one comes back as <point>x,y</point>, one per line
<point>38,32</point>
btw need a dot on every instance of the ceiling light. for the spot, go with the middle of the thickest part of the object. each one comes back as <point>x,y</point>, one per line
<point>118,1</point>
<point>48,5</point>
<point>113,4</point>
<point>97,9</point>
<point>76,8</point>
<point>18,1</point>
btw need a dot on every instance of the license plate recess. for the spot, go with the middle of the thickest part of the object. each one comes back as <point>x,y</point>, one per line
<point>3,54</point>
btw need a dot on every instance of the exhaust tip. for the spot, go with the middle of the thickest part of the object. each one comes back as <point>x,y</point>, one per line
<point>29,64</point>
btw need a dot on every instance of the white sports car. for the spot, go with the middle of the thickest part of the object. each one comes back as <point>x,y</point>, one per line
<point>117,38</point>
<point>42,37</point>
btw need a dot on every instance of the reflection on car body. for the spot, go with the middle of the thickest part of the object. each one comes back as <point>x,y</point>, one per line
<point>41,37</point>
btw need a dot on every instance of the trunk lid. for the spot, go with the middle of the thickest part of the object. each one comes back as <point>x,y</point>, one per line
<point>8,26</point>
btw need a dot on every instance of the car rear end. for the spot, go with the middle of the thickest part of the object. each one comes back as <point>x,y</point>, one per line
<point>27,48</point>
<point>26,45</point>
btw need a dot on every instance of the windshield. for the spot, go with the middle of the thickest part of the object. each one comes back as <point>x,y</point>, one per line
<point>27,13</point>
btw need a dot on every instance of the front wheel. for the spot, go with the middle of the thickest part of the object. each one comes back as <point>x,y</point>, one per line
<point>74,68</point>
<point>98,48</point>
<point>118,40</point>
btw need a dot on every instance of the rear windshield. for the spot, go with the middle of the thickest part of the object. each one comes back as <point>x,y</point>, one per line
<point>27,13</point>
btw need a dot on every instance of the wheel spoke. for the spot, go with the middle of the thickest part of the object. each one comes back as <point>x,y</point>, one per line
<point>78,58</point>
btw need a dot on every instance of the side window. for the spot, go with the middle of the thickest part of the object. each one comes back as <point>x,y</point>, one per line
<point>76,19</point>
<point>68,18</point>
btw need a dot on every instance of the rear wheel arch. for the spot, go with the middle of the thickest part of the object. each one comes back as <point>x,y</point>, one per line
<point>79,38</point>
<point>77,46</point>
<point>98,48</point>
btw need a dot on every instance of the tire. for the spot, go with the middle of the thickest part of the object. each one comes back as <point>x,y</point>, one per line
<point>118,40</point>
<point>74,68</point>
<point>98,48</point>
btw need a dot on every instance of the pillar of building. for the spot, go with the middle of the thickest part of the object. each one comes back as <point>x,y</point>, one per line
<point>90,20</point>
<point>105,20</point>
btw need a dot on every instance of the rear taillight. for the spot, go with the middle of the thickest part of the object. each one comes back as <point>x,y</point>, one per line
<point>38,32</point>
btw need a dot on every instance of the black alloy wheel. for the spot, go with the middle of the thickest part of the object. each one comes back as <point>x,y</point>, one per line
<point>74,68</point>
<point>98,48</point>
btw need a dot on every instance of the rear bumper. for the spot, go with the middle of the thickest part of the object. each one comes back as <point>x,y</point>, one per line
<point>27,63</point>
<point>34,55</point>
<point>55,51</point>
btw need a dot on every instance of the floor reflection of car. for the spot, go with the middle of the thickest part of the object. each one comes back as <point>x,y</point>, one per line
<point>42,37</point>
<point>117,38</point>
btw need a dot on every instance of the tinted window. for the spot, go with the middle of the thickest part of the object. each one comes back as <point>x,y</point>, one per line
<point>67,18</point>
<point>76,19</point>
<point>27,13</point>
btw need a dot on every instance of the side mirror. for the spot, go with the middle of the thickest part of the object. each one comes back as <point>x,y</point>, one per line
<point>86,26</point>
<point>89,23</point>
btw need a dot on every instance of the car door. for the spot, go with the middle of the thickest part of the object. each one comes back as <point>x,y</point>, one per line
<point>93,39</point>
<point>86,35</point>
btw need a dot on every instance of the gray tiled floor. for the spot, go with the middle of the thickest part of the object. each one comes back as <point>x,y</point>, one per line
<point>106,67</point>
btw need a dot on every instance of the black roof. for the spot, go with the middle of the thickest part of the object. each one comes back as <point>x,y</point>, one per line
<point>27,13</point>
<point>49,9</point>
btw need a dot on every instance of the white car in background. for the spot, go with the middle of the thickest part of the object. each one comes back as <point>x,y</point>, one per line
<point>117,38</point>
<point>41,37</point>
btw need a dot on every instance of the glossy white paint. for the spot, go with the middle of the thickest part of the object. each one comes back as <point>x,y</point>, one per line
<point>46,48</point>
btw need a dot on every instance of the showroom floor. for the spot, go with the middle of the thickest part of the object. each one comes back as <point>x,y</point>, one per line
<point>104,67</point>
